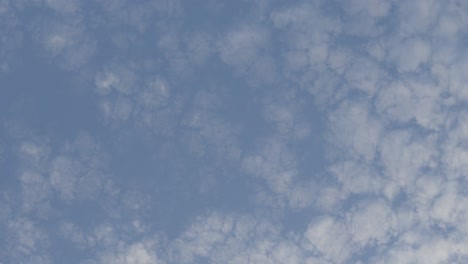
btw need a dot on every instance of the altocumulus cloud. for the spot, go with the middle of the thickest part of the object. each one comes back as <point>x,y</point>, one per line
<point>143,132</point>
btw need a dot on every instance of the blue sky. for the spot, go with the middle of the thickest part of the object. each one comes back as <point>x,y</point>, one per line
<point>142,132</point>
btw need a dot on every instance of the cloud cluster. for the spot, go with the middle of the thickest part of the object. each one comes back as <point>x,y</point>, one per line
<point>337,126</point>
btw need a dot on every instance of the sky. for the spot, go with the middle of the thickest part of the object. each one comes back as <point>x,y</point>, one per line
<point>266,131</point>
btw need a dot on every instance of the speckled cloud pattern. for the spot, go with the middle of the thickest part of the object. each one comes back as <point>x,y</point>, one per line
<point>177,131</point>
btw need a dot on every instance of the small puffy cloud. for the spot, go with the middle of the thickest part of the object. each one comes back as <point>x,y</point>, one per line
<point>27,238</point>
<point>118,110</point>
<point>417,16</point>
<point>357,177</point>
<point>448,26</point>
<point>365,75</point>
<point>137,253</point>
<point>329,237</point>
<point>74,172</point>
<point>426,188</point>
<point>66,43</point>
<point>354,130</point>
<point>36,191</point>
<point>155,95</point>
<point>207,129</point>
<point>402,102</point>
<point>72,233</point>
<point>410,54</point>
<point>303,194</point>
<point>455,152</point>
<point>446,207</point>
<point>63,175</point>
<point>285,111</point>
<point>243,45</point>
<point>246,48</point>
<point>372,222</point>
<point>35,153</point>
<point>415,247</point>
<point>203,237</point>
<point>404,158</point>
<point>106,81</point>
<point>305,48</point>
<point>454,78</point>
<point>275,164</point>
<point>200,46</point>
<point>115,77</point>
<point>364,16</point>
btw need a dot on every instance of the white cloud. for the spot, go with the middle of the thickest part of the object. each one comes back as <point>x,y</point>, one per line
<point>36,191</point>
<point>307,46</point>
<point>377,50</point>
<point>74,170</point>
<point>4,6</point>
<point>233,239</point>
<point>106,81</point>
<point>63,6</point>
<point>207,130</point>
<point>63,176</point>
<point>403,157</point>
<point>28,239</point>
<point>410,54</point>
<point>71,232</point>
<point>421,247</point>
<point>330,198</point>
<point>454,160</point>
<point>203,238</point>
<point>2,151</point>
<point>354,131</point>
<point>403,102</point>
<point>417,16</point>
<point>155,95</point>
<point>242,45</point>
<point>303,194</point>
<point>12,38</point>
<point>200,47</point>
<point>372,222</point>
<point>446,206</point>
<point>118,110</point>
<point>104,235</point>
<point>137,253</point>
<point>329,237</point>
<point>275,163</point>
<point>426,188</point>
<point>302,17</point>
<point>364,16</point>
<point>65,42</point>
<point>246,48</point>
<point>286,114</point>
<point>457,79</point>
<point>376,8</point>
<point>357,177</point>
<point>116,77</point>
<point>396,175</point>
<point>448,26</point>
<point>365,75</point>
<point>145,104</point>
<point>36,154</point>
